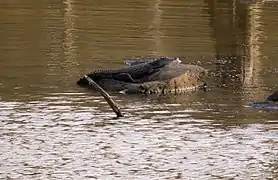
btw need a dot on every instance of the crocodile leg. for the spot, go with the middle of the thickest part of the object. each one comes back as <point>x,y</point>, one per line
<point>126,77</point>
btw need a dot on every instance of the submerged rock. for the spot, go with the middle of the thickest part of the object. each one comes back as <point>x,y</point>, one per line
<point>271,103</point>
<point>273,97</point>
<point>264,105</point>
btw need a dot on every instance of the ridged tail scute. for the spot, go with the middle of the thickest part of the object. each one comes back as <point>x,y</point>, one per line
<point>96,75</point>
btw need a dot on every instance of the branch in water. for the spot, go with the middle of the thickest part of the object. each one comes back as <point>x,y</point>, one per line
<point>106,96</point>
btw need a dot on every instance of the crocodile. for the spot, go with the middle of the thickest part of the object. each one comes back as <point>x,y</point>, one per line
<point>129,74</point>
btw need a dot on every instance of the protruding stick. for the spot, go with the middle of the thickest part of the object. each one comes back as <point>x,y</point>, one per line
<point>106,96</point>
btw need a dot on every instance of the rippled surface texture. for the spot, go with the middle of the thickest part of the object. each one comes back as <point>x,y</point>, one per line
<point>53,129</point>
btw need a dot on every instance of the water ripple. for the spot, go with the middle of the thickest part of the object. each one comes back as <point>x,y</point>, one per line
<point>56,139</point>
<point>52,129</point>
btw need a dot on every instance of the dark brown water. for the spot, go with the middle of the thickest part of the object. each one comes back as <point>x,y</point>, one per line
<point>53,129</point>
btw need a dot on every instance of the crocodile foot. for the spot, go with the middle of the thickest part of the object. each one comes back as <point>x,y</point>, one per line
<point>125,77</point>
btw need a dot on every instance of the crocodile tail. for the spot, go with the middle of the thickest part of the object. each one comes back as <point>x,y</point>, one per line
<point>94,75</point>
<point>102,71</point>
<point>83,81</point>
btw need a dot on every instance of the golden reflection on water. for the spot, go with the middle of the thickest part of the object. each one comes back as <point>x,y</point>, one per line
<point>252,62</point>
<point>239,35</point>
<point>155,28</point>
<point>69,47</point>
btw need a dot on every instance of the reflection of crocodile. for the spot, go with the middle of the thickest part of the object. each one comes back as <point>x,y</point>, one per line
<point>131,73</point>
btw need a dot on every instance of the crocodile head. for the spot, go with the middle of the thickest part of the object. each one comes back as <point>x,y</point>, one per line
<point>164,61</point>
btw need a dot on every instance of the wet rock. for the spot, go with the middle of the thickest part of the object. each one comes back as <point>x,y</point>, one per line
<point>271,103</point>
<point>273,97</point>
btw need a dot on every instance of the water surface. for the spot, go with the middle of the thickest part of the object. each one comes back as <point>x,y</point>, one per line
<point>53,129</point>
